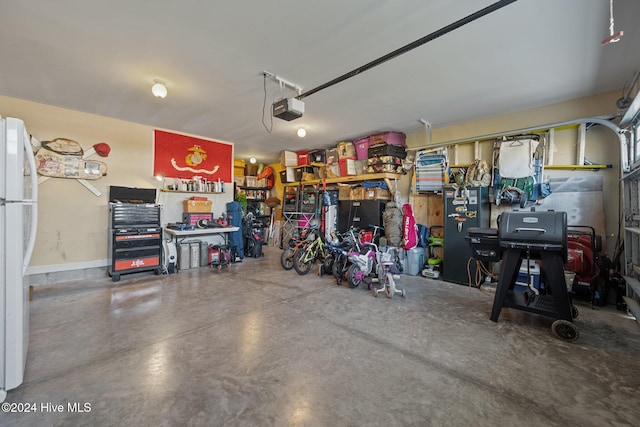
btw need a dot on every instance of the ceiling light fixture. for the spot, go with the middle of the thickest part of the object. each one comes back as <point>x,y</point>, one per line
<point>158,89</point>
<point>252,160</point>
<point>613,36</point>
<point>302,132</point>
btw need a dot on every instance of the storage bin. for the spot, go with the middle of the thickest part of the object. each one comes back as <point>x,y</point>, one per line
<point>391,138</point>
<point>303,157</point>
<point>305,221</point>
<point>184,256</point>
<point>387,150</point>
<point>251,181</point>
<point>346,150</point>
<point>317,156</point>
<point>415,261</point>
<point>362,148</point>
<point>347,167</point>
<point>361,166</point>
<point>331,156</point>
<point>301,171</point>
<point>288,158</point>
<point>191,205</point>
<point>309,200</point>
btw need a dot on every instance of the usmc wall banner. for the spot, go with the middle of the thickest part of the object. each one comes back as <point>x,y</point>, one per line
<point>183,156</point>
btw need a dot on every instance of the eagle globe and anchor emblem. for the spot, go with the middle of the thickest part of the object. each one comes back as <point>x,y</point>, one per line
<point>195,156</point>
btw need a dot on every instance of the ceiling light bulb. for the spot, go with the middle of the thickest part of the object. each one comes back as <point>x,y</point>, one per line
<point>302,133</point>
<point>252,160</point>
<point>159,90</point>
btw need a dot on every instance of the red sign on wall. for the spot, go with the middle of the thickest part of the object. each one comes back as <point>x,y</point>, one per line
<point>182,156</point>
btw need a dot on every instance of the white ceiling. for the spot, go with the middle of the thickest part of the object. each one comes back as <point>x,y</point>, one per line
<point>101,57</point>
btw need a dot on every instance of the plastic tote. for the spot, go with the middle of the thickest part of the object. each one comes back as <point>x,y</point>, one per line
<point>415,260</point>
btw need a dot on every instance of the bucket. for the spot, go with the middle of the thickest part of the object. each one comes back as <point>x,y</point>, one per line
<point>415,261</point>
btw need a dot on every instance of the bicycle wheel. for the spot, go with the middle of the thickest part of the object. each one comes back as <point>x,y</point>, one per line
<point>353,274</point>
<point>389,285</point>
<point>300,263</point>
<point>327,264</point>
<point>286,259</point>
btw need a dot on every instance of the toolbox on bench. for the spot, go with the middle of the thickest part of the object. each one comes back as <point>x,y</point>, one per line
<point>192,218</point>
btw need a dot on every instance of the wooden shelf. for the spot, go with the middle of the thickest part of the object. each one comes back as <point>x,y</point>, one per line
<point>346,179</point>
<point>164,190</point>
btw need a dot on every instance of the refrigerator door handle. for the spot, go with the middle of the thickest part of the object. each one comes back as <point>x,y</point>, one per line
<point>34,196</point>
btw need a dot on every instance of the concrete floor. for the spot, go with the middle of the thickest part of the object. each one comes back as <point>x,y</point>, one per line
<point>255,345</point>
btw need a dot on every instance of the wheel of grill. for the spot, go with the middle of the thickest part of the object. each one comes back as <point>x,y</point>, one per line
<point>565,330</point>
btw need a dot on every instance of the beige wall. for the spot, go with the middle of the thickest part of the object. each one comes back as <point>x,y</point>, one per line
<point>73,222</point>
<point>602,145</point>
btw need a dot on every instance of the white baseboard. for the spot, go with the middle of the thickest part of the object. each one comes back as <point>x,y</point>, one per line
<point>70,266</point>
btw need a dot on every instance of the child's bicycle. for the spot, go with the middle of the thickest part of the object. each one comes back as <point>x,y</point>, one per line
<point>307,235</point>
<point>303,258</point>
<point>385,263</point>
<point>363,260</point>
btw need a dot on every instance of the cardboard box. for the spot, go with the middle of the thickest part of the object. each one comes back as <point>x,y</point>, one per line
<point>377,194</point>
<point>238,168</point>
<point>191,206</point>
<point>357,193</point>
<point>288,158</point>
<point>344,192</point>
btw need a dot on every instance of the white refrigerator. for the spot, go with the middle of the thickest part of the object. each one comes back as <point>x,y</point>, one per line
<point>18,224</point>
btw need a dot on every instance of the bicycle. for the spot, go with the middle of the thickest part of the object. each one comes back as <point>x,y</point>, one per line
<point>307,236</point>
<point>364,261</point>
<point>303,258</point>
<point>385,263</point>
<point>341,262</point>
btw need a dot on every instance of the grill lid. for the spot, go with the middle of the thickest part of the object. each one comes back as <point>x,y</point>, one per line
<point>534,230</point>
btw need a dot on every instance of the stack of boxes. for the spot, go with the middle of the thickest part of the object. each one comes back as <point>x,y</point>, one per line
<point>382,152</point>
